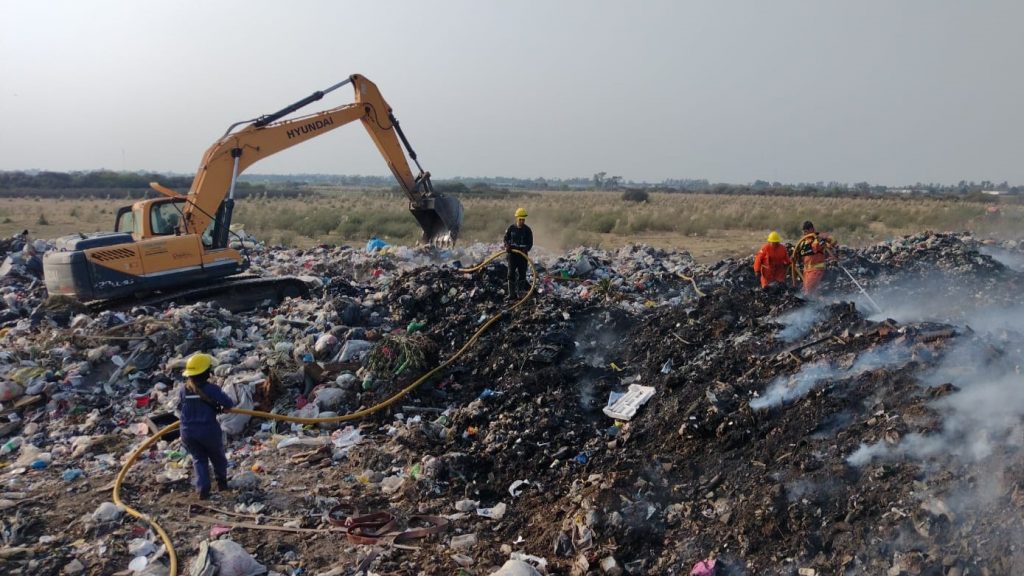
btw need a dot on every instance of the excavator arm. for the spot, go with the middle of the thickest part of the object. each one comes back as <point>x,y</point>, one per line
<point>439,216</point>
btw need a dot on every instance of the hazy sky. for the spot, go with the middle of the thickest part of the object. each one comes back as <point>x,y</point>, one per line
<point>888,91</point>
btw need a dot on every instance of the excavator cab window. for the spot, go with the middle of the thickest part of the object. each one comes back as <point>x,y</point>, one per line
<point>165,218</point>
<point>125,220</point>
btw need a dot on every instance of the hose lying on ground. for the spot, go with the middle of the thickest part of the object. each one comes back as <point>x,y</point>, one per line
<point>172,556</point>
<point>691,281</point>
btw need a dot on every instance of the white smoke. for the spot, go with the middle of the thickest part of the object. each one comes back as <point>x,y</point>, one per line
<point>798,322</point>
<point>935,297</point>
<point>1012,260</point>
<point>908,301</point>
<point>588,399</point>
<point>787,388</point>
<point>987,413</point>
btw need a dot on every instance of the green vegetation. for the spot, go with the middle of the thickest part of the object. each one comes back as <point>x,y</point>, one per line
<point>110,184</point>
<point>636,195</point>
<point>710,225</point>
<point>604,218</point>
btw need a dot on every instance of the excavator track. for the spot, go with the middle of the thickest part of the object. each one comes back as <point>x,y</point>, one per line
<point>237,293</point>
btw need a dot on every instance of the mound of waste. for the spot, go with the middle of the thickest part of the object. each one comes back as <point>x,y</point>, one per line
<point>639,413</point>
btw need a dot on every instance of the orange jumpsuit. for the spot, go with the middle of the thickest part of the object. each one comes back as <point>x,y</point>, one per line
<point>813,257</point>
<point>771,263</point>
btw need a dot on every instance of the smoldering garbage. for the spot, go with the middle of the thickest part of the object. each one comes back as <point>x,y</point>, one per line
<point>775,435</point>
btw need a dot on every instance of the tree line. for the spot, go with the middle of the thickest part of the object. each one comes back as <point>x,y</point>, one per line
<point>108,183</point>
<point>136,185</point>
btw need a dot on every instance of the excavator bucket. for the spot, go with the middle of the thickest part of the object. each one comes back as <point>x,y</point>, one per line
<point>441,222</point>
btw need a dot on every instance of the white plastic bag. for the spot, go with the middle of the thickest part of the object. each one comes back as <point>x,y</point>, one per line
<point>346,437</point>
<point>241,392</point>
<point>232,560</point>
<point>516,568</point>
<point>330,398</point>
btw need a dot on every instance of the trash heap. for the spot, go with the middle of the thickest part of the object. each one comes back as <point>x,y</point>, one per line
<point>639,414</point>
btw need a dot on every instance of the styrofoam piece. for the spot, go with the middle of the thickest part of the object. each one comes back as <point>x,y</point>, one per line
<point>625,407</point>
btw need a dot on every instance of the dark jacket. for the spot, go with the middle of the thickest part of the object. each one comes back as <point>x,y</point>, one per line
<point>519,238</point>
<point>197,412</point>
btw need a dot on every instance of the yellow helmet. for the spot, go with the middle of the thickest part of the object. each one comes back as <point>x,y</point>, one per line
<point>197,364</point>
<point>774,237</point>
<point>521,213</point>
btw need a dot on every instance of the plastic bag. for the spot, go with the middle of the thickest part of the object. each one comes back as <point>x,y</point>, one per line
<point>375,244</point>
<point>516,568</point>
<point>302,442</point>
<point>232,560</point>
<point>10,390</point>
<point>241,392</point>
<point>330,398</point>
<point>349,436</point>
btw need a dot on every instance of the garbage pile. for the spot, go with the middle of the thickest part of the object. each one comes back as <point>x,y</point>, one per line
<point>640,414</point>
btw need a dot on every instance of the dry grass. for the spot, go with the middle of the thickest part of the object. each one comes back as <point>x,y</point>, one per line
<point>710,226</point>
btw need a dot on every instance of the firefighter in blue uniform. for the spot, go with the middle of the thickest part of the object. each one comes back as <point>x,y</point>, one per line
<point>201,401</point>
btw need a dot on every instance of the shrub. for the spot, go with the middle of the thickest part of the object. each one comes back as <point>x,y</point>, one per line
<point>601,222</point>
<point>286,238</point>
<point>636,195</point>
<point>42,221</point>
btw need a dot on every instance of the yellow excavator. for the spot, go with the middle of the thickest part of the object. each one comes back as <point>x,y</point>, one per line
<point>178,246</point>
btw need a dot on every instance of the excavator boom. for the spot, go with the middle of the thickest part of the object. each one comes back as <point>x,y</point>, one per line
<point>439,216</point>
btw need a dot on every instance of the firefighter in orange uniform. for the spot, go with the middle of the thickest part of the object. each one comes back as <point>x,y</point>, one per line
<point>772,261</point>
<point>812,252</point>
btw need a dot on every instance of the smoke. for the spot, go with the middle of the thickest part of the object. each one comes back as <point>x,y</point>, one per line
<point>598,341</point>
<point>980,420</point>
<point>831,425</point>
<point>997,319</point>
<point>798,322</point>
<point>938,296</point>
<point>588,400</point>
<point>910,300</point>
<point>787,388</point>
<point>1012,260</point>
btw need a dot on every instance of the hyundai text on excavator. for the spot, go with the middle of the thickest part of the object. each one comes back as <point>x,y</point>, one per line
<point>177,246</point>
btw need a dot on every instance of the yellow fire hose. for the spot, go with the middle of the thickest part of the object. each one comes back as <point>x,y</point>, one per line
<point>796,271</point>
<point>342,418</point>
<point>691,281</point>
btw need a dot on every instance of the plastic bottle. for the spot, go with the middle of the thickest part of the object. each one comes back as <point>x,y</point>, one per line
<point>11,445</point>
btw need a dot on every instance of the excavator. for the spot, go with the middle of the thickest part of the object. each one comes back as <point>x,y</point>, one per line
<point>177,246</point>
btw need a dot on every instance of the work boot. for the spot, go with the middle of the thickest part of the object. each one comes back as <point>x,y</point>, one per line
<point>204,494</point>
<point>222,485</point>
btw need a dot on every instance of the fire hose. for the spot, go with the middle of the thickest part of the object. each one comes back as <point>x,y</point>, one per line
<point>861,288</point>
<point>172,556</point>
<point>830,254</point>
<point>796,272</point>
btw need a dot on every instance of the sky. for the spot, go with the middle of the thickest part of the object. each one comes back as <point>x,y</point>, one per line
<point>883,91</point>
